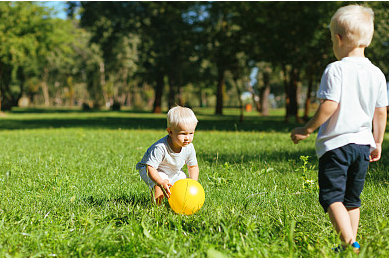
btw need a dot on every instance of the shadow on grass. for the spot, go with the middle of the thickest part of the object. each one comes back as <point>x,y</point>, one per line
<point>136,120</point>
<point>68,110</point>
<point>280,157</point>
<point>131,199</point>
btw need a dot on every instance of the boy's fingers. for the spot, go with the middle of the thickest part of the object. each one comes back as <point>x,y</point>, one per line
<point>164,192</point>
<point>374,157</point>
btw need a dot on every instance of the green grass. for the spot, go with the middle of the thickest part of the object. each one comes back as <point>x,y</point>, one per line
<point>69,188</point>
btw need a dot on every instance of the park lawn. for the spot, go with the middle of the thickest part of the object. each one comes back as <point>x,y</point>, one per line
<point>69,188</point>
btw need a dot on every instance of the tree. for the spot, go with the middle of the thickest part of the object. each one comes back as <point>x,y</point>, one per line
<point>113,27</point>
<point>20,26</point>
<point>163,38</point>
<point>289,35</point>
<point>378,51</point>
<point>54,54</point>
<point>31,41</point>
<point>222,43</point>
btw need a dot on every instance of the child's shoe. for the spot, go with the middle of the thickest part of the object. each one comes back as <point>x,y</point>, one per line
<point>338,249</point>
<point>356,247</point>
<point>341,248</point>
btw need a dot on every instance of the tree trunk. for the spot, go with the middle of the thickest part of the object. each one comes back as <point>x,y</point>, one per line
<point>291,103</point>
<point>256,100</point>
<point>287,99</point>
<point>220,92</point>
<point>265,94</point>
<point>203,98</point>
<point>1,73</point>
<point>102,81</point>
<point>69,81</point>
<point>265,100</point>
<point>172,90</point>
<point>94,88</point>
<point>241,108</point>
<point>157,108</point>
<point>124,86</point>
<point>308,99</point>
<point>292,92</point>
<point>45,88</point>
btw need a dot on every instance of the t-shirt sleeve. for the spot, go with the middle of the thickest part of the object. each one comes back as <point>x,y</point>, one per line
<point>191,159</point>
<point>330,85</point>
<point>382,100</point>
<point>154,156</point>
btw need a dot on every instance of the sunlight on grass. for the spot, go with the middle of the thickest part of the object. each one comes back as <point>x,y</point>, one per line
<point>72,190</point>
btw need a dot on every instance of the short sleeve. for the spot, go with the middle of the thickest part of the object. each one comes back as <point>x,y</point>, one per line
<point>191,159</point>
<point>382,100</point>
<point>330,85</point>
<point>154,156</point>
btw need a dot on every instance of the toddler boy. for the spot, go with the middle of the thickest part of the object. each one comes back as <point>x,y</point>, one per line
<point>161,165</point>
<point>353,100</point>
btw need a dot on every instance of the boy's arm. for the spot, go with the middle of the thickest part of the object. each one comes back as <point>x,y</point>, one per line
<point>194,172</point>
<point>325,111</point>
<point>163,184</point>
<point>379,125</point>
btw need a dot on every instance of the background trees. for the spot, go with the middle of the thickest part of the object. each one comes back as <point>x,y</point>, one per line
<point>165,53</point>
<point>35,52</point>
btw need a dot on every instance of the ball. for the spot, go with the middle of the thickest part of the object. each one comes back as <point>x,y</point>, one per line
<point>187,196</point>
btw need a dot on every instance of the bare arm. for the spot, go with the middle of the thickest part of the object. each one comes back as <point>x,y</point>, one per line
<point>194,172</point>
<point>163,184</point>
<point>379,125</point>
<point>323,113</point>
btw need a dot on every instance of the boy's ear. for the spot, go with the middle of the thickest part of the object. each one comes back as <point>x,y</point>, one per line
<point>339,38</point>
<point>169,130</point>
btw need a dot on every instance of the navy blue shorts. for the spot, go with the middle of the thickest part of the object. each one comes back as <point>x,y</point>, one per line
<point>342,174</point>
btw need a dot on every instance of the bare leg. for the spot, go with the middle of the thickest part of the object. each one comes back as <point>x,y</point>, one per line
<point>342,222</point>
<point>354,219</point>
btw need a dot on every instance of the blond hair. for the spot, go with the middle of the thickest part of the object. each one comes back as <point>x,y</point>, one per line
<point>355,25</point>
<point>180,115</point>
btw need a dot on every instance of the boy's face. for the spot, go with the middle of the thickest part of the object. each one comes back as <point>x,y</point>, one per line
<point>181,135</point>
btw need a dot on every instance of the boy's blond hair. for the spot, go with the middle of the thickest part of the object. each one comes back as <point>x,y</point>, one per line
<point>355,25</point>
<point>180,115</point>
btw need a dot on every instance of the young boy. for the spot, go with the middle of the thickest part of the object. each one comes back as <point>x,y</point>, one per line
<point>161,165</point>
<point>353,100</point>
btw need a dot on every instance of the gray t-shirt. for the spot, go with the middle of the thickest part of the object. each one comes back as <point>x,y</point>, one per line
<point>161,157</point>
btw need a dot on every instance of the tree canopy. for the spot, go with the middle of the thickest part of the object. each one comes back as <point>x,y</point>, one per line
<point>166,53</point>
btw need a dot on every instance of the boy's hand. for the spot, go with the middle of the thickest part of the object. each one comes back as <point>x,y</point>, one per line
<point>375,155</point>
<point>165,187</point>
<point>299,134</point>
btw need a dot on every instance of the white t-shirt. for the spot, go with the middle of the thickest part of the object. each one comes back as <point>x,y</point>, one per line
<point>359,87</point>
<point>161,157</point>
<point>387,86</point>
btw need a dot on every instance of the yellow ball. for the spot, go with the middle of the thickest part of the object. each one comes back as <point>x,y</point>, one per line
<point>187,196</point>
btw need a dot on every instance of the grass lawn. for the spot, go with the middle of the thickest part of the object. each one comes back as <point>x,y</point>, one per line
<point>69,188</point>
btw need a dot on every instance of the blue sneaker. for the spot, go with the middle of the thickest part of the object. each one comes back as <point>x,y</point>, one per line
<point>356,247</point>
<point>338,249</point>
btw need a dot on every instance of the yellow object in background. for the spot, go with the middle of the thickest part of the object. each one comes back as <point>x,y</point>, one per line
<point>187,196</point>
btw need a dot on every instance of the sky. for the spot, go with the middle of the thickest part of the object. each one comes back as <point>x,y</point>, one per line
<point>58,7</point>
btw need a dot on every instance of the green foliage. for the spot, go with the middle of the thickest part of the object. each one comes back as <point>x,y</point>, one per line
<point>134,53</point>
<point>33,45</point>
<point>308,184</point>
<point>379,48</point>
<point>69,187</point>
